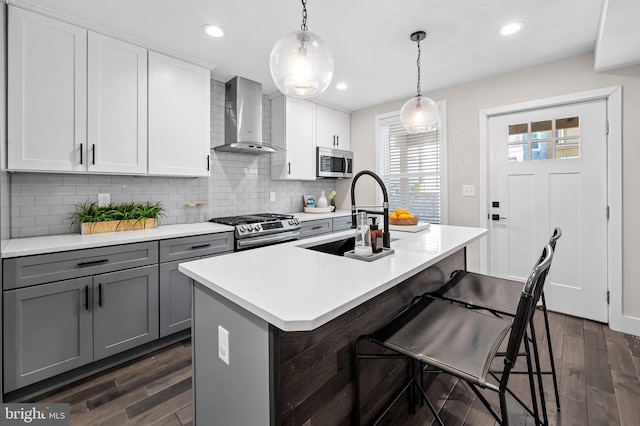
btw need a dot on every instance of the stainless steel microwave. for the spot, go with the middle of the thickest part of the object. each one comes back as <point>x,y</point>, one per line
<point>334,163</point>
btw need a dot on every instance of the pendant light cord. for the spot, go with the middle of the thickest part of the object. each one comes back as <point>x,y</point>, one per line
<point>303,27</point>
<point>418,85</point>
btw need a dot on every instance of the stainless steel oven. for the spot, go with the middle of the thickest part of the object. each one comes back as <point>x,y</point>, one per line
<point>334,163</point>
<point>261,229</point>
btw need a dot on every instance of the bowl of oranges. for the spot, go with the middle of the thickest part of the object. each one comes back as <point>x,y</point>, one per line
<point>402,217</point>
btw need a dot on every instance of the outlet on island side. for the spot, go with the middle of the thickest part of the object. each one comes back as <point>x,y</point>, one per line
<point>468,190</point>
<point>223,344</point>
<point>272,196</point>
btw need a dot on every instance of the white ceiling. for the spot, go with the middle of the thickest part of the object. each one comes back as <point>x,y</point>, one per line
<point>369,38</point>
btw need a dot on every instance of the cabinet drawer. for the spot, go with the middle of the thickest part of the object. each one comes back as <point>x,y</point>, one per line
<point>200,245</point>
<point>341,223</point>
<point>30,270</point>
<point>315,227</point>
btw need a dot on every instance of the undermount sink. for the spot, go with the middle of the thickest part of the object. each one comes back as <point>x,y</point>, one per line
<point>338,247</point>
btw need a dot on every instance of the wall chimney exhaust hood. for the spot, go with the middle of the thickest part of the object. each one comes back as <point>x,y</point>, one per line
<point>243,118</point>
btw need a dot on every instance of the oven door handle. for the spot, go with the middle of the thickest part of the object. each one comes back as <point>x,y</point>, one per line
<point>268,239</point>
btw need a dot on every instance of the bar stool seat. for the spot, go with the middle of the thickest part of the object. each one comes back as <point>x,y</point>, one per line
<point>447,337</point>
<point>483,292</point>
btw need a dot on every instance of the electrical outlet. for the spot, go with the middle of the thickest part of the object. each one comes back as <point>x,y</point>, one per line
<point>223,344</point>
<point>272,196</point>
<point>468,190</point>
<point>104,200</point>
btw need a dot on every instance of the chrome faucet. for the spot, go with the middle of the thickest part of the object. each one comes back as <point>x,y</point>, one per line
<point>386,239</point>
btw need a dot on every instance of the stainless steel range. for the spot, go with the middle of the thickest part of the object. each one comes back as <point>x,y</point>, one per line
<point>262,229</point>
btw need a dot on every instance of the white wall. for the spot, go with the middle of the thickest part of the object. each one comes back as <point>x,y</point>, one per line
<point>562,77</point>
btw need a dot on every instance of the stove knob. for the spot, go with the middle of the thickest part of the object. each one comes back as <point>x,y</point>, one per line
<point>297,222</point>
<point>250,227</point>
<point>241,228</point>
<point>290,222</point>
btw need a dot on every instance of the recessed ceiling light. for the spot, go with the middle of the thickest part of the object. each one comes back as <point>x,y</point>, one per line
<point>214,30</point>
<point>512,28</point>
<point>342,86</point>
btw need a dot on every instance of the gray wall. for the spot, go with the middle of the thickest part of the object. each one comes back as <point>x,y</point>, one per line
<point>464,101</point>
<point>239,184</point>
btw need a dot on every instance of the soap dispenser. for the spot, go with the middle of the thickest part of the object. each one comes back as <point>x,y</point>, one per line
<point>322,201</point>
<point>376,236</point>
<point>363,236</point>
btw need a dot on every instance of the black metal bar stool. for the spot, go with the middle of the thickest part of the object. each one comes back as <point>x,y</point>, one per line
<point>500,297</point>
<point>460,342</point>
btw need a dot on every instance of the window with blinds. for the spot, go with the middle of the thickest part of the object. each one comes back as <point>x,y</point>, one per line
<point>413,168</point>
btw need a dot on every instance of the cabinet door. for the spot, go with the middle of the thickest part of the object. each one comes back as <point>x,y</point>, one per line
<point>125,310</point>
<point>175,299</point>
<point>342,127</point>
<point>47,331</point>
<point>179,139</point>
<point>47,93</point>
<point>325,135</point>
<point>301,130</point>
<point>117,106</point>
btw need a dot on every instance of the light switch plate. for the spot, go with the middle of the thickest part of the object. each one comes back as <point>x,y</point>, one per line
<point>272,196</point>
<point>104,200</point>
<point>223,344</point>
<point>468,190</point>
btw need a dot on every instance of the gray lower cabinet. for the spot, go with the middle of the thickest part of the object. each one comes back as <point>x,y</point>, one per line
<point>125,310</point>
<point>48,330</point>
<point>56,327</point>
<point>175,287</point>
<point>341,223</point>
<point>314,228</point>
<point>175,299</point>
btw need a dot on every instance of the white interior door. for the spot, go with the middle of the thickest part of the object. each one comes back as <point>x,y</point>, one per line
<point>547,169</point>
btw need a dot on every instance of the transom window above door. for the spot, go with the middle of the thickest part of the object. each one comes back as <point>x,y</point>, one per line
<point>552,139</point>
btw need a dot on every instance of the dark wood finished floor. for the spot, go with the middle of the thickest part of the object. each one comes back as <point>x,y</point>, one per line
<point>599,385</point>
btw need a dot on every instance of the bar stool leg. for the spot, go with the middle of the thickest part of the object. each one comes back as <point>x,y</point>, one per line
<point>551,359</point>
<point>536,358</point>
<point>532,386</point>
<point>356,367</point>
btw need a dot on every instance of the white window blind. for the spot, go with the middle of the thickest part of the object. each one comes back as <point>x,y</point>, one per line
<point>412,167</point>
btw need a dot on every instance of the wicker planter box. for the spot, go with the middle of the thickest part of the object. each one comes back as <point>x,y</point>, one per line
<point>116,225</point>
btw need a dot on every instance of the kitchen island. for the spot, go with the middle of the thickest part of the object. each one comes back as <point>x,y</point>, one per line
<point>292,315</point>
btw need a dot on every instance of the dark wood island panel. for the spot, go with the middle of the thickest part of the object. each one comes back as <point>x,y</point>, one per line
<point>316,372</point>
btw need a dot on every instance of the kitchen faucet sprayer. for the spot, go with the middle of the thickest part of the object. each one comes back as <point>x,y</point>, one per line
<point>386,238</point>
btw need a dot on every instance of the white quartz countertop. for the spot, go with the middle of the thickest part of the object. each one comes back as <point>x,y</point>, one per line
<point>304,217</point>
<point>297,289</point>
<point>66,242</point>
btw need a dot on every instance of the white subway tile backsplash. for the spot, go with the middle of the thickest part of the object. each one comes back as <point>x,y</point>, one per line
<point>239,184</point>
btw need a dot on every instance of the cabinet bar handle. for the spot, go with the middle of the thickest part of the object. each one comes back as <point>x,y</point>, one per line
<point>100,294</point>
<point>334,140</point>
<point>86,297</point>
<point>208,163</point>
<point>81,155</point>
<point>338,140</point>
<point>93,154</point>
<point>316,227</point>
<point>92,263</point>
<point>289,167</point>
<point>200,246</point>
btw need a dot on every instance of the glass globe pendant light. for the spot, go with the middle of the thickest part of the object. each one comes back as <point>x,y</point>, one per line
<point>419,114</point>
<point>301,63</point>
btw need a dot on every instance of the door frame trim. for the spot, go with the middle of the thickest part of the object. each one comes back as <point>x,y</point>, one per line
<point>613,97</point>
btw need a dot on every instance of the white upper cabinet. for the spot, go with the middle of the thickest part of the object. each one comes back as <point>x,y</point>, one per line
<point>179,120</point>
<point>334,128</point>
<point>117,106</point>
<point>47,94</point>
<point>293,128</point>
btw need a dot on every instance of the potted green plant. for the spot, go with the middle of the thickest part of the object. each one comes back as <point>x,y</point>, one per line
<point>94,219</point>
